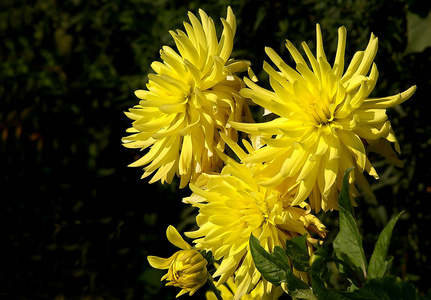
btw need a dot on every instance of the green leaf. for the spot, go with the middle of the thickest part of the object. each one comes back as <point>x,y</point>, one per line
<point>348,242</point>
<point>280,255</point>
<point>274,266</point>
<point>385,288</point>
<point>324,293</point>
<point>378,262</point>
<point>301,241</point>
<point>322,250</point>
<point>306,294</point>
<point>297,288</point>
<point>344,197</point>
<point>352,272</point>
<point>418,32</point>
<point>297,252</point>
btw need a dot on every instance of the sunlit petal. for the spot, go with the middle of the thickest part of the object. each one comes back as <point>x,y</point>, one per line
<point>189,101</point>
<point>324,121</point>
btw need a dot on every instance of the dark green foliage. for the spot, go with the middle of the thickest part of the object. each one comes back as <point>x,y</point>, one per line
<point>350,262</point>
<point>275,267</point>
<point>76,222</point>
<point>378,261</point>
<point>386,288</point>
<point>348,242</point>
<point>298,253</point>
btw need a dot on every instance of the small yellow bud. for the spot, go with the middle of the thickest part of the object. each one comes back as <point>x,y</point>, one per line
<point>186,268</point>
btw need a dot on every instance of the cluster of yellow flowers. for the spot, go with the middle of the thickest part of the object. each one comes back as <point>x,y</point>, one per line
<point>324,123</point>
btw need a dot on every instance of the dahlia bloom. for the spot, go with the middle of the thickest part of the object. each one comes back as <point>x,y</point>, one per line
<point>232,205</point>
<point>186,268</point>
<point>228,291</point>
<point>325,123</point>
<point>189,100</point>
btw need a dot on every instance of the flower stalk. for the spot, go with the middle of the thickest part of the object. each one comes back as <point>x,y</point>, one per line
<point>214,289</point>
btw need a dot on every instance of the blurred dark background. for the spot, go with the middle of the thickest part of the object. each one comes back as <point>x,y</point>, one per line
<point>76,223</point>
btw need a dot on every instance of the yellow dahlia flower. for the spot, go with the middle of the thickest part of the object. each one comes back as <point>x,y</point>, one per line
<point>189,100</point>
<point>228,291</point>
<point>186,268</point>
<point>232,205</point>
<point>325,121</point>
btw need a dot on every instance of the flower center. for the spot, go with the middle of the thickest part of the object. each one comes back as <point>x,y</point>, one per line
<point>320,113</point>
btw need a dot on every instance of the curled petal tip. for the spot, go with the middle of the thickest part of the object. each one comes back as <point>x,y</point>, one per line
<point>175,238</point>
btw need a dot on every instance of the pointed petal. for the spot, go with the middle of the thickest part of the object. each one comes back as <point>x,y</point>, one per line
<point>159,262</point>
<point>175,238</point>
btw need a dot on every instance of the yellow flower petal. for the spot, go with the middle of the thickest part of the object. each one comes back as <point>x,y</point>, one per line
<point>189,101</point>
<point>323,121</point>
<point>175,238</point>
<point>234,205</point>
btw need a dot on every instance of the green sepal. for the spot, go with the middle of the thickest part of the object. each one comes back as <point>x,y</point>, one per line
<point>208,255</point>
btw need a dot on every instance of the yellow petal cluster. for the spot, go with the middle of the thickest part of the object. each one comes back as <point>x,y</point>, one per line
<point>189,99</point>
<point>324,122</point>
<point>229,289</point>
<point>186,268</point>
<point>232,206</point>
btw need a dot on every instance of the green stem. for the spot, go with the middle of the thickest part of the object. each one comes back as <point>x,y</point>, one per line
<point>214,289</point>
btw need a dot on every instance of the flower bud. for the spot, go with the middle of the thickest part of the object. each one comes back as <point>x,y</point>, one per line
<point>186,268</point>
<point>188,271</point>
